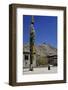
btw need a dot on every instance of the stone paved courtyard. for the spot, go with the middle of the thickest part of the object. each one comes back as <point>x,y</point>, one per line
<point>41,70</point>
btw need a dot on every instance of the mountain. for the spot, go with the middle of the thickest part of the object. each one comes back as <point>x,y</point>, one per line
<point>42,49</point>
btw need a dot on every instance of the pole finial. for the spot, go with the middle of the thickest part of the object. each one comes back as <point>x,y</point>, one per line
<point>32,19</point>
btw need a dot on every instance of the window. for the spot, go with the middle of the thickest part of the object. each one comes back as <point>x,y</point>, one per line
<point>26,57</point>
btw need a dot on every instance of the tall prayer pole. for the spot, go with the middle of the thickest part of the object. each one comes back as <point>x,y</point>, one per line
<point>32,44</point>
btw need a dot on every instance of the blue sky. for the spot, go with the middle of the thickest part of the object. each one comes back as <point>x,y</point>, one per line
<point>45,29</point>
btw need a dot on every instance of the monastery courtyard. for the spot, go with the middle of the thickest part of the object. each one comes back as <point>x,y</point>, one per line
<point>41,70</point>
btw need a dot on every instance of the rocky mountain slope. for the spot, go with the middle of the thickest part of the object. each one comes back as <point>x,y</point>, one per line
<point>42,49</point>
